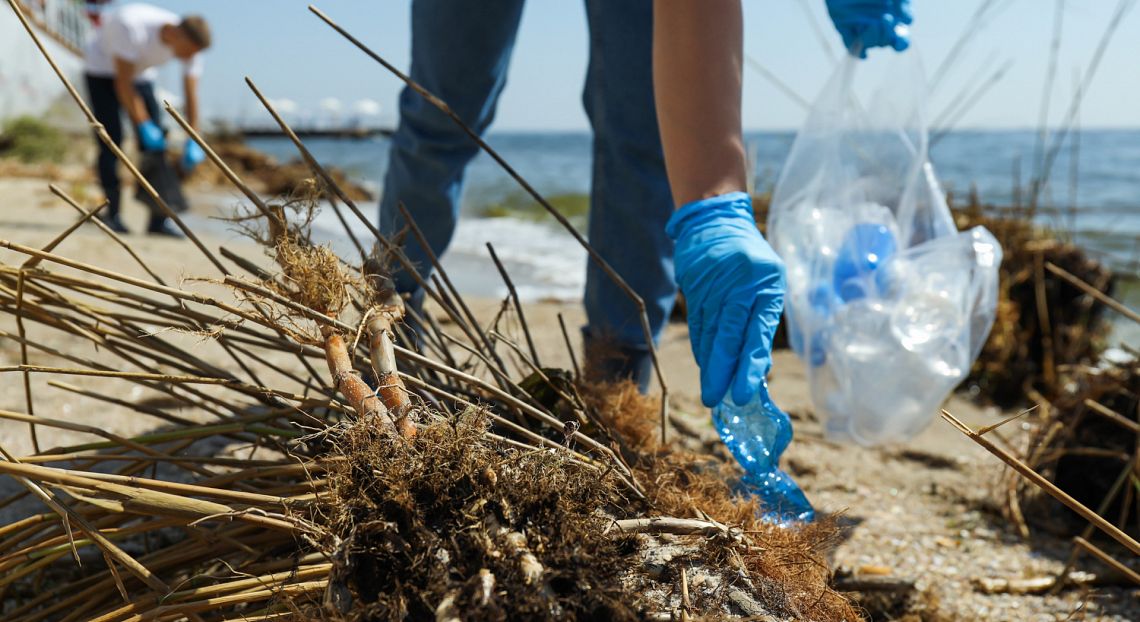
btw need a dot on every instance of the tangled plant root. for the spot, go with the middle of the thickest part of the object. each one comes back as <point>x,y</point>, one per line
<point>455,522</point>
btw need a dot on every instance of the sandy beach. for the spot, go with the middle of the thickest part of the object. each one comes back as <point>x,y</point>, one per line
<point>922,512</point>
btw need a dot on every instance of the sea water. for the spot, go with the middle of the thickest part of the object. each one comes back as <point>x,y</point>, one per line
<point>1105,221</point>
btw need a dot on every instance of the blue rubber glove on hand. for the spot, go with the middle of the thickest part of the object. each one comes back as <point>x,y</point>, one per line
<point>734,291</point>
<point>192,155</point>
<point>865,24</point>
<point>151,137</point>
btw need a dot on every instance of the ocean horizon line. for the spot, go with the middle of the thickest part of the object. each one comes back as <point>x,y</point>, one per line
<point>788,131</point>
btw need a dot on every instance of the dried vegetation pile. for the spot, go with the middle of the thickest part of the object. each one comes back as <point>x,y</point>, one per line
<point>438,494</point>
<point>269,175</point>
<point>312,468</point>
<point>1044,321</point>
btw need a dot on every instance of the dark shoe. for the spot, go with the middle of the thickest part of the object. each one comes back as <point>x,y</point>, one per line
<point>608,361</point>
<point>164,228</point>
<point>114,223</point>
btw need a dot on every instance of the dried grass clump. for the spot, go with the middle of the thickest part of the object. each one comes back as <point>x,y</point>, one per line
<point>787,567</point>
<point>1043,321</point>
<point>32,140</point>
<point>312,276</point>
<point>456,524</point>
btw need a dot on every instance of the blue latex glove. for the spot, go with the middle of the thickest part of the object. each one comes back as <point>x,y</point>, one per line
<point>734,289</point>
<point>192,155</point>
<point>151,137</point>
<point>865,24</point>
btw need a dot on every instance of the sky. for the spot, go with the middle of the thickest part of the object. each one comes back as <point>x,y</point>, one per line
<point>292,55</point>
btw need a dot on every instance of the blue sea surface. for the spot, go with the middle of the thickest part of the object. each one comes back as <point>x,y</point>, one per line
<point>1092,199</point>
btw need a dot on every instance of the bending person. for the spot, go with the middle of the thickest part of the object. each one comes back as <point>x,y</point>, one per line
<point>120,61</point>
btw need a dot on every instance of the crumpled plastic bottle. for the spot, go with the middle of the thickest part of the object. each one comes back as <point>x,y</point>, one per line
<point>757,434</point>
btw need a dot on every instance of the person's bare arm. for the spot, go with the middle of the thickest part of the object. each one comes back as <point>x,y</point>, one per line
<point>129,98</point>
<point>190,93</point>
<point>697,60</point>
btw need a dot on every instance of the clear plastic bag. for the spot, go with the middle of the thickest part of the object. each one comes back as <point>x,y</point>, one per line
<point>888,303</point>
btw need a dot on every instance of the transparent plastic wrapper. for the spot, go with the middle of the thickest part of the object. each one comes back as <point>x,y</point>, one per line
<point>888,303</point>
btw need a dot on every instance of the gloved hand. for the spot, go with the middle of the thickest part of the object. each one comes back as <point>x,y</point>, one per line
<point>867,24</point>
<point>734,289</point>
<point>151,137</point>
<point>192,155</point>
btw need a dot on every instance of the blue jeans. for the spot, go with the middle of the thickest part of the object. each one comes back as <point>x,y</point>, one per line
<point>461,55</point>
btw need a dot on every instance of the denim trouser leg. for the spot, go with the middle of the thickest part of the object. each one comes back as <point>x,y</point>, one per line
<point>631,201</point>
<point>459,53</point>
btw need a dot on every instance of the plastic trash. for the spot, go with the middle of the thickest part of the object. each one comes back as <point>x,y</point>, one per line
<point>887,303</point>
<point>757,434</point>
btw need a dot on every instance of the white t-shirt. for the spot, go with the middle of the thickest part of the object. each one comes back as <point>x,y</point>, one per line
<point>132,33</point>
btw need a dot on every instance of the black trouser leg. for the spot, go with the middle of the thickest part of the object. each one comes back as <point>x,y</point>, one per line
<point>105,106</point>
<point>107,110</point>
<point>146,91</point>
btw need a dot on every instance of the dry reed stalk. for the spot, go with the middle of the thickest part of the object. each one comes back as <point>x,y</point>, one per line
<point>1047,90</point>
<point>28,265</point>
<point>1028,473</point>
<point>449,295</point>
<point>1112,416</point>
<point>1071,115</point>
<point>68,516</point>
<point>977,20</point>
<point>57,191</point>
<point>1094,292</point>
<point>1048,359</point>
<point>337,357</point>
<point>331,183</point>
<point>569,348</point>
<point>514,295</point>
<point>390,387</point>
<point>1096,552</point>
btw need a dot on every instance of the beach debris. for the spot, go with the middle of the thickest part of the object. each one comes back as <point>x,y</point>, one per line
<point>1081,452</point>
<point>1044,321</point>
<point>1044,318</point>
<point>271,176</point>
<point>32,140</point>
<point>1084,440</point>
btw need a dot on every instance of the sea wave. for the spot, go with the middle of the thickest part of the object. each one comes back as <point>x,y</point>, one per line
<point>543,261</point>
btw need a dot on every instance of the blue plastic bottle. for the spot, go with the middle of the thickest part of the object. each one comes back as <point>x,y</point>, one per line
<point>855,275</point>
<point>865,247</point>
<point>757,434</point>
